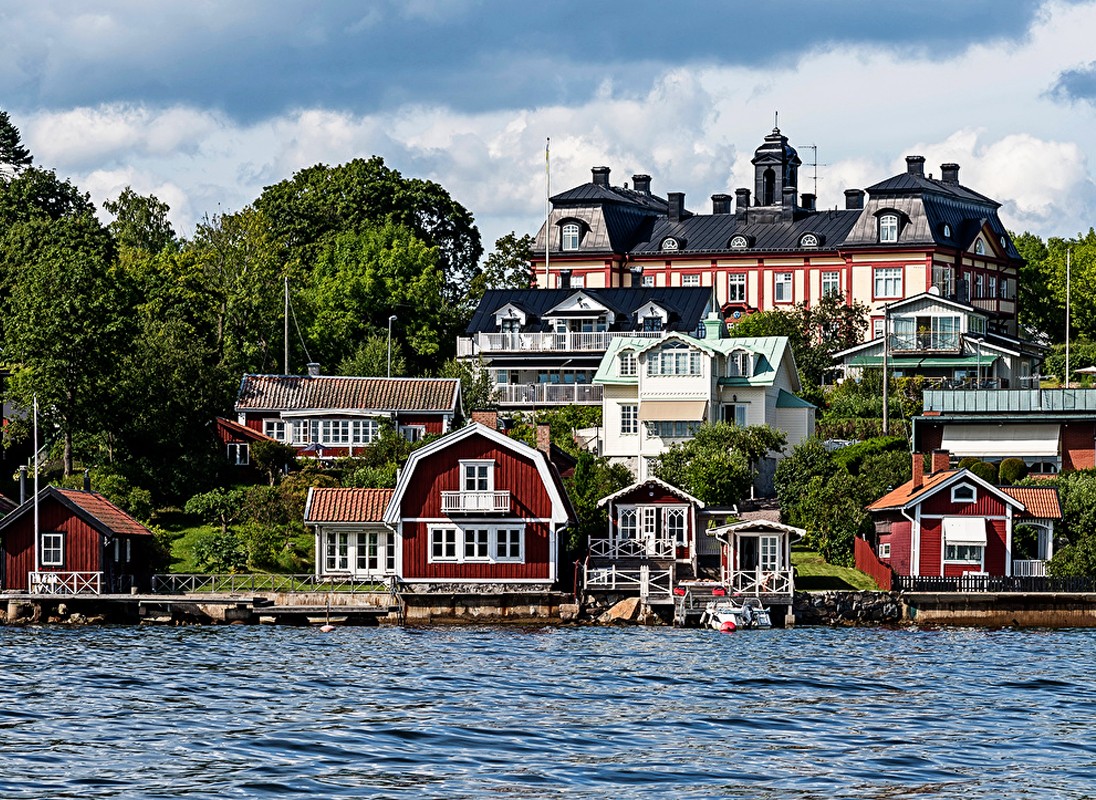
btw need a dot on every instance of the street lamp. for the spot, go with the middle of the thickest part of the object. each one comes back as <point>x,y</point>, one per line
<point>391,319</point>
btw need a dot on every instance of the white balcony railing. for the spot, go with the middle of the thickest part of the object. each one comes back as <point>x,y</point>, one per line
<point>486,343</point>
<point>650,584</point>
<point>478,502</point>
<point>1029,569</point>
<point>65,582</point>
<point>762,582</point>
<point>547,394</point>
<point>632,548</point>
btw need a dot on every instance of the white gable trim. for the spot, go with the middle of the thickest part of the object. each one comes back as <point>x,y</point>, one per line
<point>658,482</point>
<point>579,302</point>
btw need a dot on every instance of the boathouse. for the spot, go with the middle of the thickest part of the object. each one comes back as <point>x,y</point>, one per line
<point>85,545</point>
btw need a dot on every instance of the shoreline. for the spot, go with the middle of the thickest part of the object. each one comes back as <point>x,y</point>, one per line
<point>809,609</point>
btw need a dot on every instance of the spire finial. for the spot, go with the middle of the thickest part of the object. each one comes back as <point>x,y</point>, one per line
<point>776,122</point>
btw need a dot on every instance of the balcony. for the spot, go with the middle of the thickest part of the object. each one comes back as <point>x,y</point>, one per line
<point>925,342</point>
<point>490,343</point>
<point>547,394</point>
<point>475,502</point>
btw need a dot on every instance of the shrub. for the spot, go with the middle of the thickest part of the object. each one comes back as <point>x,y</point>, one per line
<point>968,462</point>
<point>1011,471</point>
<point>986,471</point>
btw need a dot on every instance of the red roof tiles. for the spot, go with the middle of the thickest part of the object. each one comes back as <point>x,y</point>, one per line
<point>898,498</point>
<point>347,505</point>
<point>1041,502</point>
<point>109,515</point>
<point>305,392</point>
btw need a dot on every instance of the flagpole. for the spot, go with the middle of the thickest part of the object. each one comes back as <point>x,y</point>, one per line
<point>1067,315</point>
<point>547,204</point>
<point>37,535</point>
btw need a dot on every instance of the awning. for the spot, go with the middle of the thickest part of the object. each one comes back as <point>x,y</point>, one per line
<point>1001,441</point>
<point>965,530</point>
<point>673,411</point>
<point>913,362</point>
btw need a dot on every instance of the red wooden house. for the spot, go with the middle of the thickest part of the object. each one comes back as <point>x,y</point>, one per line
<point>951,522</point>
<point>477,507</point>
<point>85,545</point>
<point>329,416</point>
<point>237,440</point>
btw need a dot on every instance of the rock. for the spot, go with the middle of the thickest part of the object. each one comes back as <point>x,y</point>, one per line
<point>62,609</point>
<point>568,612</point>
<point>625,611</point>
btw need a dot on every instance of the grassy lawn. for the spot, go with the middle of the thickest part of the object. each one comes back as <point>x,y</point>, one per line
<point>182,532</point>
<point>813,574</point>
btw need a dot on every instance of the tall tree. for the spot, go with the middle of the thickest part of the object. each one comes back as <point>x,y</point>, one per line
<point>507,267</point>
<point>14,157</point>
<point>140,222</point>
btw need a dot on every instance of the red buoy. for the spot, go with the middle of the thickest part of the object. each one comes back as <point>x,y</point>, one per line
<point>728,627</point>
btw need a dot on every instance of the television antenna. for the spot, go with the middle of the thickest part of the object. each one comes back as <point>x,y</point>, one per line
<point>813,163</point>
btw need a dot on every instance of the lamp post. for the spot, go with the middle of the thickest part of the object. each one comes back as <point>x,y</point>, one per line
<point>391,319</point>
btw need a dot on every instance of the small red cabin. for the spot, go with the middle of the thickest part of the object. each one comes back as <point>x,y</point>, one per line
<point>478,507</point>
<point>85,545</point>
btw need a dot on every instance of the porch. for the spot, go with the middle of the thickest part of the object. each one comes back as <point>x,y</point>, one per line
<point>547,394</point>
<point>561,342</point>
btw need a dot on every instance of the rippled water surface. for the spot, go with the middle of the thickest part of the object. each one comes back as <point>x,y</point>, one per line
<point>546,713</point>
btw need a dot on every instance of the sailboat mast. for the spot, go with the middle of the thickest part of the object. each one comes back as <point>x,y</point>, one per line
<point>285,362</point>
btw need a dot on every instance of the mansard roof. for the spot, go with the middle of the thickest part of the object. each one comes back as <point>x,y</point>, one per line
<point>704,233</point>
<point>687,306</point>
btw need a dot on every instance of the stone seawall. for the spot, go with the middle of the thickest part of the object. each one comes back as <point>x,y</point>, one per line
<point>848,608</point>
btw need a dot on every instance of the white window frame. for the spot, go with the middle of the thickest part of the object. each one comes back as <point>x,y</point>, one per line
<point>783,287</point>
<point>628,366</point>
<point>629,419</point>
<point>302,432</point>
<point>480,472</point>
<point>239,454</point>
<point>675,525</point>
<point>578,281</point>
<point>979,247</point>
<point>508,545</point>
<point>737,283</point>
<point>627,524</point>
<point>412,433</point>
<point>887,282</point>
<point>335,432</point>
<point>444,545</point>
<point>275,429</point>
<point>570,236</point>
<point>885,550</point>
<point>691,279</point>
<point>53,549</point>
<point>877,331</point>
<point>477,544</point>
<point>337,551</point>
<point>364,431</point>
<point>647,281</point>
<point>991,287</point>
<point>670,243</point>
<point>888,228</point>
<point>831,283</point>
<point>953,552</point>
<point>959,494</point>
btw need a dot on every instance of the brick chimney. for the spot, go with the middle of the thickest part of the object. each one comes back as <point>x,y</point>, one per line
<point>915,165</point>
<point>918,471</point>
<point>642,183</point>
<point>941,461</point>
<point>676,210</point>
<point>949,173</point>
<point>544,439</point>
<point>488,418</point>
<point>721,204</point>
<point>601,176</point>
<point>854,199</point>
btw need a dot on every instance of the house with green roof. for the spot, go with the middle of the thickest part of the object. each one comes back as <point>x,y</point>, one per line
<point>656,392</point>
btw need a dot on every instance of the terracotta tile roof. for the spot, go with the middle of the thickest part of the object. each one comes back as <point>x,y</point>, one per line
<point>897,498</point>
<point>105,512</point>
<point>1040,502</point>
<point>302,392</point>
<point>347,505</point>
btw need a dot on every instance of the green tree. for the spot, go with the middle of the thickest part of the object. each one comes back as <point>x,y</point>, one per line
<point>13,155</point>
<point>834,515</point>
<point>273,459</point>
<point>371,359</point>
<point>35,194</point>
<point>808,460</point>
<point>220,507</point>
<point>507,267</point>
<point>140,222</point>
<point>593,479</point>
<point>477,390</point>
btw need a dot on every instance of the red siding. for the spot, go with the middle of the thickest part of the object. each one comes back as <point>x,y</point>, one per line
<point>1078,445</point>
<point>899,539</point>
<point>987,505</point>
<point>416,544</point>
<point>433,423</point>
<point>931,536</point>
<point>83,548</point>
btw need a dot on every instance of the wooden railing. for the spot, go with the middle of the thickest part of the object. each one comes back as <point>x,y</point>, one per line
<point>646,582</point>
<point>632,548</point>
<point>547,394</point>
<point>65,582</point>
<point>192,583</point>
<point>979,582</point>
<point>1025,568</point>
<point>484,343</point>
<point>479,502</point>
<point>762,582</point>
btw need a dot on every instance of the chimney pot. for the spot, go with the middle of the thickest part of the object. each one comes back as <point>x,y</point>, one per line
<point>915,165</point>
<point>807,201</point>
<point>601,176</point>
<point>854,199</point>
<point>544,439</point>
<point>949,173</point>
<point>87,480</point>
<point>313,370</point>
<point>721,204</point>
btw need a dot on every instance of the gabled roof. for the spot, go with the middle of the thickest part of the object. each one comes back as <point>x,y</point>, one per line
<point>594,194</point>
<point>724,532</point>
<point>689,304</point>
<point>906,496</point>
<point>91,507</point>
<point>651,482</point>
<point>562,512</point>
<point>7,505</point>
<point>333,392</point>
<point>328,504</point>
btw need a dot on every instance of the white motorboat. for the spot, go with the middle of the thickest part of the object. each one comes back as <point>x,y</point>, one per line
<point>734,614</point>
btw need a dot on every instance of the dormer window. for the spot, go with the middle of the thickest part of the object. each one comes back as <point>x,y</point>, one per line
<point>739,365</point>
<point>670,243</point>
<point>570,236</point>
<point>946,231</point>
<point>627,366</point>
<point>888,228</point>
<point>652,324</point>
<point>808,240</point>
<point>739,243</point>
<point>979,247</point>
<point>673,358</point>
<point>963,493</point>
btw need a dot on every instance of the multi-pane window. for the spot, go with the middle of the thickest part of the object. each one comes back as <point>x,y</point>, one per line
<point>736,287</point>
<point>782,287</point>
<point>735,414</point>
<point>476,542</point>
<point>477,476</point>
<point>303,432</point>
<point>647,280</point>
<point>627,363</point>
<point>629,418</point>
<point>443,544</point>
<point>964,553</point>
<point>335,431</point>
<point>365,431</point>
<point>628,524</point>
<point>672,429</point>
<point>674,359</point>
<point>674,525</point>
<point>888,281</point>
<point>831,283</point>
<point>239,454</point>
<point>508,544</point>
<point>275,429</point>
<point>53,549</point>
<point>578,281</point>
<point>979,285</point>
<point>877,328</point>
<point>769,552</point>
<point>652,323</point>
<point>941,279</point>
<point>739,364</point>
<point>690,280</point>
<point>888,228</point>
<point>338,552</point>
<point>570,235</point>
<point>992,292</point>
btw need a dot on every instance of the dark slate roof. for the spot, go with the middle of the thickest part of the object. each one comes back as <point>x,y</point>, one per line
<point>687,305</point>
<point>303,392</point>
<point>909,183</point>
<point>713,232</point>
<point>592,193</point>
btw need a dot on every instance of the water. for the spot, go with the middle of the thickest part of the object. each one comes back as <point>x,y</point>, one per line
<point>238,712</point>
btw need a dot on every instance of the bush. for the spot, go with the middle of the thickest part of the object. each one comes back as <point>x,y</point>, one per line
<point>986,471</point>
<point>968,462</point>
<point>853,456</point>
<point>220,552</point>
<point>1012,470</point>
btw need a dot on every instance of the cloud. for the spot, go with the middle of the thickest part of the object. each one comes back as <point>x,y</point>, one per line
<point>1076,84</point>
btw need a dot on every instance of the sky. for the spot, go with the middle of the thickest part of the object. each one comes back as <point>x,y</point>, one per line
<point>204,103</point>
